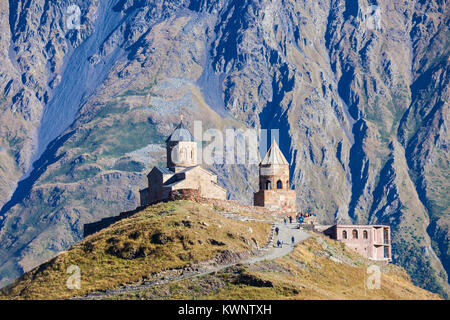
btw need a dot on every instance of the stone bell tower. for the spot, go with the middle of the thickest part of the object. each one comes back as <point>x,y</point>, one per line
<point>274,191</point>
<point>181,149</point>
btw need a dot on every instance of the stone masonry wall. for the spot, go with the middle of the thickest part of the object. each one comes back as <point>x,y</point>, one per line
<point>281,201</point>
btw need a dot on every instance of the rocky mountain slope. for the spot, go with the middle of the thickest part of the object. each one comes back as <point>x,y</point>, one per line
<point>192,250</point>
<point>358,89</point>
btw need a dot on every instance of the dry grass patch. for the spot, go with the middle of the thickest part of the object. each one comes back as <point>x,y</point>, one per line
<point>309,272</point>
<point>165,236</point>
<point>318,268</point>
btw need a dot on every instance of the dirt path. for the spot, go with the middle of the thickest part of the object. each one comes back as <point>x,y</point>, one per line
<point>286,231</point>
<point>285,234</point>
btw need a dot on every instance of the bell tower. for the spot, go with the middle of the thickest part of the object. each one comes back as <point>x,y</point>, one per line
<point>274,170</point>
<point>181,149</point>
<point>274,191</point>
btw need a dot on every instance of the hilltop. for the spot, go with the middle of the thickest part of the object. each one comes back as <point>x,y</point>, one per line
<point>189,250</point>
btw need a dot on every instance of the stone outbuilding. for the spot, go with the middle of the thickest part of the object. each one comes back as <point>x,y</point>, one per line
<point>371,241</point>
<point>274,191</point>
<point>182,172</point>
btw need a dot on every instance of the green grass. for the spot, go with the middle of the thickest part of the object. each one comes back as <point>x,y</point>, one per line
<point>111,109</point>
<point>129,166</point>
<point>139,92</point>
<point>124,138</point>
<point>116,139</point>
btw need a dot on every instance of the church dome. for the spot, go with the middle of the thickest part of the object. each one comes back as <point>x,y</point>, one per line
<point>181,133</point>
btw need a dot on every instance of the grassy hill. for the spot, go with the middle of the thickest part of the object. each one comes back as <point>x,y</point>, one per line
<point>173,237</point>
<point>307,273</point>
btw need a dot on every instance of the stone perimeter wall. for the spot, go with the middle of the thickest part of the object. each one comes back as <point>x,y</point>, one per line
<point>227,205</point>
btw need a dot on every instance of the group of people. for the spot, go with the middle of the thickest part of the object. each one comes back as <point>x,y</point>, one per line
<point>299,217</point>
<point>305,215</point>
<point>280,242</point>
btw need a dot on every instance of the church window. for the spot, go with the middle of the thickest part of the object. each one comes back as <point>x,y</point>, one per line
<point>182,154</point>
<point>365,234</point>
<point>268,185</point>
<point>344,234</point>
<point>386,236</point>
<point>287,183</point>
<point>386,252</point>
<point>279,184</point>
<point>355,234</point>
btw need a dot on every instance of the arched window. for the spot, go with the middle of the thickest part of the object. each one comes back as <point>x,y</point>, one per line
<point>365,234</point>
<point>279,184</point>
<point>182,154</point>
<point>268,185</point>
<point>344,234</point>
<point>287,184</point>
<point>355,234</point>
<point>192,154</point>
<point>386,252</point>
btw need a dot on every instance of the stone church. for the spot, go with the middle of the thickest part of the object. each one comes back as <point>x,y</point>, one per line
<point>274,192</point>
<point>182,172</point>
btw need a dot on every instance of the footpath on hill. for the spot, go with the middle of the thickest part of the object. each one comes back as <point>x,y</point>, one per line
<point>271,252</point>
<point>285,234</point>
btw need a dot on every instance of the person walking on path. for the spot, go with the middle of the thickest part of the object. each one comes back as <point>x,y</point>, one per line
<point>284,220</point>
<point>276,230</point>
<point>290,219</point>
<point>278,243</point>
<point>293,240</point>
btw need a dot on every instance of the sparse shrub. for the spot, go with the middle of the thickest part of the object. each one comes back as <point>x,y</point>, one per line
<point>160,238</point>
<point>187,256</point>
<point>129,250</point>
<point>134,235</point>
<point>88,247</point>
<point>231,235</point>
<point>215,242</point>
<point>143,252</point>
<point>174,224</point>
<point>187,223</point>
<point>113,240</point>
<point>251,280</point>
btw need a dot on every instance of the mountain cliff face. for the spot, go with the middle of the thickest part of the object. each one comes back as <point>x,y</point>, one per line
<point>358,89</point>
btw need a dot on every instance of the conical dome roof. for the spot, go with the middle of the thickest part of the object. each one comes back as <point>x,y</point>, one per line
<point>181,133</point>
<point>274,156</point>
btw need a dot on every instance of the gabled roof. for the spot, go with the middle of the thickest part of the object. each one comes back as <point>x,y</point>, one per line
<point>274,156</point>
<point>164,170</point>
<point>161,170</point>
<point>181,133</point>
